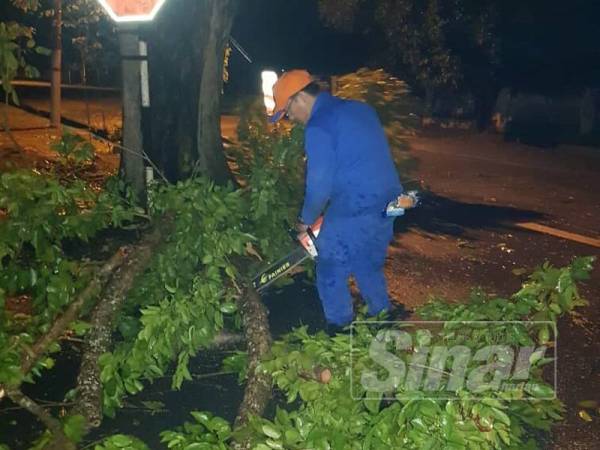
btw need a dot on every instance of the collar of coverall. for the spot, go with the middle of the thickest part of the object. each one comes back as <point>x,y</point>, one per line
<point>321,100</point>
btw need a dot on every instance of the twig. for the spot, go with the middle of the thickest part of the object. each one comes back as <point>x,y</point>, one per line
<point>212,374</point>
<point>60,441</point>
<point>141,153</point>
<point>42,402</point>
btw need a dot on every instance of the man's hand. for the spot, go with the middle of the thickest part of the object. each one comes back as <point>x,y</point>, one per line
<point>406,201</point>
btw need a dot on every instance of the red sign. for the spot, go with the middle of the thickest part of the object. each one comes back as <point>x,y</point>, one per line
<point>132,10</point>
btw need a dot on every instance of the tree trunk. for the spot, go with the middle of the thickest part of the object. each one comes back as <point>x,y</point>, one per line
<point>211,159</point>
<point>186,46</point>
<point>55,106</point>
<point>132,160</point>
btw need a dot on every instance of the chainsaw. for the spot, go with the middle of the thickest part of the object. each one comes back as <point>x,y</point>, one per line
<point>307,240</point>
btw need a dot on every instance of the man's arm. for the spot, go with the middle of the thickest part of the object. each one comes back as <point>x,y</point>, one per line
<point>320,168</point>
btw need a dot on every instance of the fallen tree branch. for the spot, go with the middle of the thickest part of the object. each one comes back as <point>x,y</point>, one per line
<point>99,338</point>
<point>258,340</point>
<point>72,313</point>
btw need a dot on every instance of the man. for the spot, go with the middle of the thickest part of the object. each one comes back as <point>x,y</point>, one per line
<point>350,178</point>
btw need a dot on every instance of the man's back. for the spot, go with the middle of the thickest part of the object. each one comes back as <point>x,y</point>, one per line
<point>365,177</point>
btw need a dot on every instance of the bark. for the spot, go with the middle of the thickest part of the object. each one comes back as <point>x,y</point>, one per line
<point>258,339</point>
<point>99,339</point>
<point>55,102</point>
<point>225,340</point>
<point>186,46</point>
<point>211,159</point>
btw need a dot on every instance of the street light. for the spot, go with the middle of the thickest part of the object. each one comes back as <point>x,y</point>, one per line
<point>269,78</point>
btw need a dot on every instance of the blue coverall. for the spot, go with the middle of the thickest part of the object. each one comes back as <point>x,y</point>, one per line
<point>351,176</point>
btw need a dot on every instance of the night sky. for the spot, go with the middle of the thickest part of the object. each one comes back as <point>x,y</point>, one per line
<point>547,45</point>
<point>288,34</point>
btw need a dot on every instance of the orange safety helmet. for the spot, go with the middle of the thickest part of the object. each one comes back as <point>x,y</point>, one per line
<point>289,84</point>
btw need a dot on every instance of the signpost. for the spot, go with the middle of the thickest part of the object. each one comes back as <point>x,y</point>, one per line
<point>135,92</point>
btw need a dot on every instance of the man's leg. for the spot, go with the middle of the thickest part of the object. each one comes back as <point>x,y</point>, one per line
<point>367,265</point>
<point>333,271</point>
<point>332,284</point>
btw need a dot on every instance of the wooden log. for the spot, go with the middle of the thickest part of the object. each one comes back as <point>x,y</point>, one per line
<point>99,338</point>
<point>258,340</point>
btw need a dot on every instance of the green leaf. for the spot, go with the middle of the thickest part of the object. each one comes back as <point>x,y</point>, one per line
<point>75,427</point>
<point>373,401</point>
<point>539,390</point>
<point>270,431</point>
<point>80,327</point>
<point>121,440</point>
<point>501,416</point>
<point>228,308</point>
<point>198,446</point>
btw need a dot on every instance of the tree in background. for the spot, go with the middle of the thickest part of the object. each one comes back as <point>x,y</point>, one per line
<point>476,47</point>
<point>16,44</point>
<point>186,46</point>
<point>91,35</point>
<point>438,46</point>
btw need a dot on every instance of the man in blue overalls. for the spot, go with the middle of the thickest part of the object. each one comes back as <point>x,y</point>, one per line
<point>350,178</point>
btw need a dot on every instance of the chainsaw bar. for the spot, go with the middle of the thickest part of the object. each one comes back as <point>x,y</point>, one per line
<point>279,268</point>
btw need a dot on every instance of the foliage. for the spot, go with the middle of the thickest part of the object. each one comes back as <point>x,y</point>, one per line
<point>205,433</point>
<point>438,45</point>
<point>329,418</point>
<point>38,216</point>
<point>16,42</point>
<point>271,166</point>
<point>189,291</point>
<point>74,150</point>
<point>322,415</point>
<point>26,5</point>
<point>91,34</point>
<point>121,442</point>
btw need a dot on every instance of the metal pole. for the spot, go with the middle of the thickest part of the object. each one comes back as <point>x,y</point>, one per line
<point>55,95</point>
